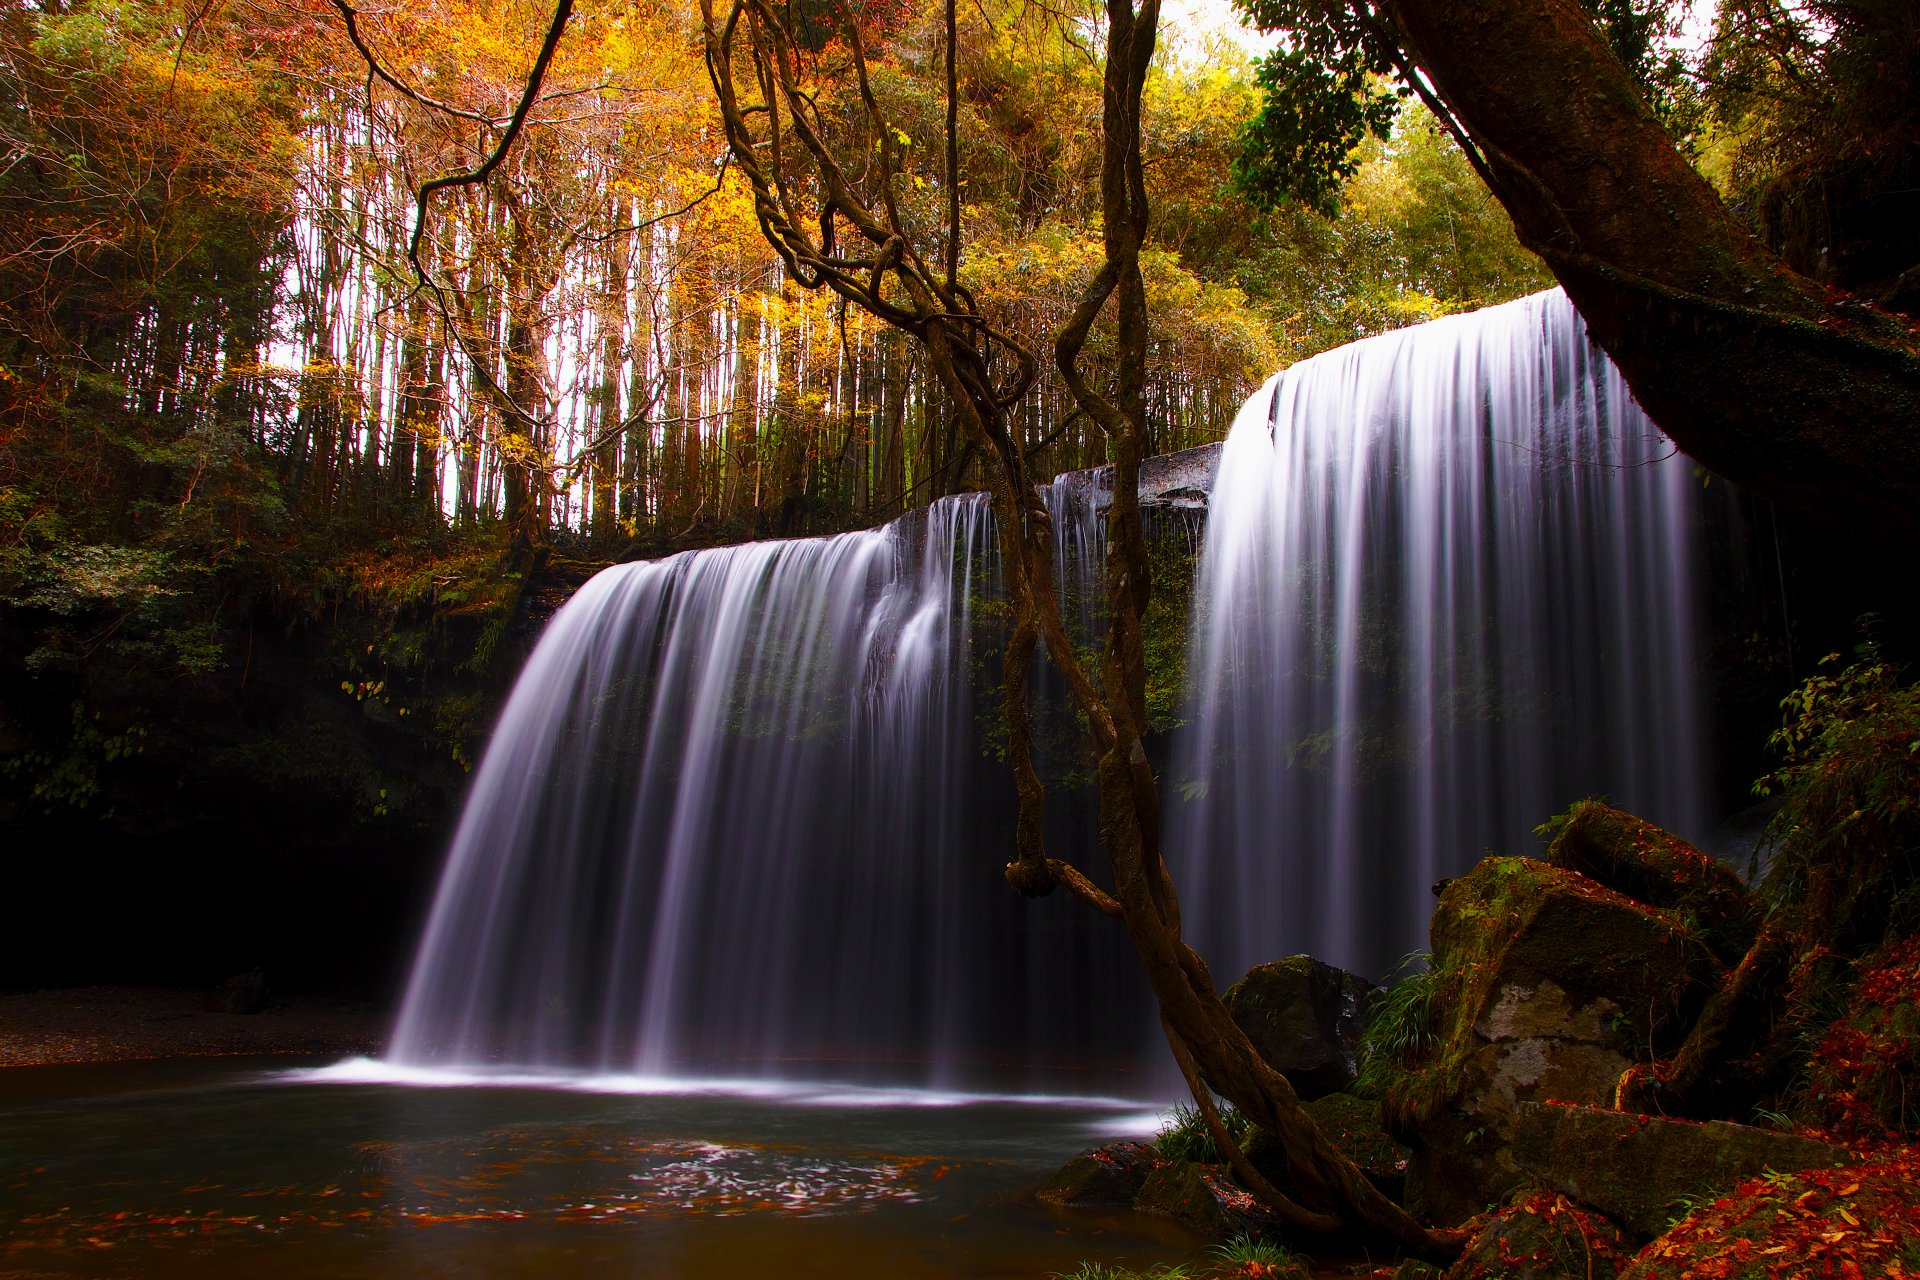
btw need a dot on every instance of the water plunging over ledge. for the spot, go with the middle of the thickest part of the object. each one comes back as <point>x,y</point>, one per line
<point>740,814</point>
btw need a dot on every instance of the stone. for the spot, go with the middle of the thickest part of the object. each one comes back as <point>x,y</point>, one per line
<point>1205,1199</point>
<point>1547,986</point>
<point>1633,857</point>
<point>1542,1236</point>
<point>1305,1018</point>
<point>1859,1222</point>
<point>1354,1126</point>
<point>1112,1174</point>
<point>1642,1170</point>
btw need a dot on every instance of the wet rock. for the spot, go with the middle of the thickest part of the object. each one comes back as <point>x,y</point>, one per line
<point>1112,1174</point>
<point>1355,1128</point>
<point>1862,1221</point>
<point>1633,857</point>
<point>244,993</point>
<point>1642,1170</point>
<point>1305,1018</point>
<point>1205,1199</point>
<point>1547,987</point>
<point>1542,1236</point>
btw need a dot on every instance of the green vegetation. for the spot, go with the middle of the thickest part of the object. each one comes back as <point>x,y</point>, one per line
<point>1185,1135</point>
<point>1846,838</point>
<point>1245,1255</point>
<point>1400,1027</point>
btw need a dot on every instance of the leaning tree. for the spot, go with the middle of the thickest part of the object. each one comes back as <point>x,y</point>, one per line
<point>809,132</point>
<point>1800,392</point>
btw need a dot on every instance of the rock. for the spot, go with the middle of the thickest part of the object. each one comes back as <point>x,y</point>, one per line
<point>1641,1170</point>
<point>1547,986</point>
<point>1112,1174</point>
<point>1857,1222</point>
<point>1354,1126</point>
<point>1542,1236</point>
<point>1305,1018</point>
<point>244,993</point>
<point>1204,1199</point>
<point>1633,857</point>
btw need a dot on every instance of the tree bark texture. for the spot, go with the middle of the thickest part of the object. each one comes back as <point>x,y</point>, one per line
<point>1800,395</point>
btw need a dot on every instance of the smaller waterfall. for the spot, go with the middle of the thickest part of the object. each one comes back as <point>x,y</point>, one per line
<point>736,816</point>
<point>1446,591</point>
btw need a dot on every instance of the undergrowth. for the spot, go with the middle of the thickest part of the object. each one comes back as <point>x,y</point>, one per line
<point>1847,834</point>
<point>1401,1027</point>
<point>1185,1135</point>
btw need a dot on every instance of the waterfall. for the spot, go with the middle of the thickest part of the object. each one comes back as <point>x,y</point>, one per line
<point>741,812</point>
<point>736,817</point>
<point>1446,592</point>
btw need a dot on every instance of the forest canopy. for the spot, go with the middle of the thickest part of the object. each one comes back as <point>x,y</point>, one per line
<point>208,296</point>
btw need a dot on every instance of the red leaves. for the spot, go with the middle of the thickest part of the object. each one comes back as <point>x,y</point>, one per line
<point>1785,1228</point>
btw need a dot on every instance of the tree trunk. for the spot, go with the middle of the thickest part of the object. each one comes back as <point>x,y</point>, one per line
<point>1808,399</point>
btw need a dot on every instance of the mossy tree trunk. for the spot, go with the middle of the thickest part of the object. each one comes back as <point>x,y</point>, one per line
<point>1763,375</point>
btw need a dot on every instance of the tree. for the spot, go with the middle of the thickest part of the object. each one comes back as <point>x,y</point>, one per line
<point>1814,396</point>
<point>826,165</point>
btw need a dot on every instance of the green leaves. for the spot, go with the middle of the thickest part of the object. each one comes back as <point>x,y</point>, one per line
<point>1299,147</point>
<point>1323,92</point>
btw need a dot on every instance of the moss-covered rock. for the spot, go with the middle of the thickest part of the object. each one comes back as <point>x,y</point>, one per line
<point>1633,857</point>
<point>1304,1017</point>
<point>1542,1236</point>
<point>1547,986</point>
<point>1205,1199</point>
<point>1852,1223</point>
<point>1112,1174</point>
<point>1354,1126</point>
<point>1641,1170</point>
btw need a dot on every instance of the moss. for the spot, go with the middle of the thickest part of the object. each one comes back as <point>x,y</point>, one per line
<point>1631,856</point>
<point>1517,920</point>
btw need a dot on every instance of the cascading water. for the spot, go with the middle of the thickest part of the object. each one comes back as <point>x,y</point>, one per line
<point>741,811</point>
<point>736,816</point>
<point>1446,592</point>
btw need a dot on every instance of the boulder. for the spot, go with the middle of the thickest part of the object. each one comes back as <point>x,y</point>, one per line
<point>1858,1222</point>
<point>1354,1127</point>
<point>1642,1171</point>
<point>1547,986</point>
<point>1542,1236</point>
<point>1634,858</point>
<point>1112,1174</point>
<point>1205,1199</point>
<point>1305,1018</point>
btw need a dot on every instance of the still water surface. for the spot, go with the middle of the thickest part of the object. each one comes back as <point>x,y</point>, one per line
<point>234,1169</point>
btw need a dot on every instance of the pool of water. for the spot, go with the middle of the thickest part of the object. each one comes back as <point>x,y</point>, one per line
<point>231,1168</point>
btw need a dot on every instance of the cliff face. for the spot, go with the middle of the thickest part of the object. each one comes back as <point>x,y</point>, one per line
<point>282,807</point>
